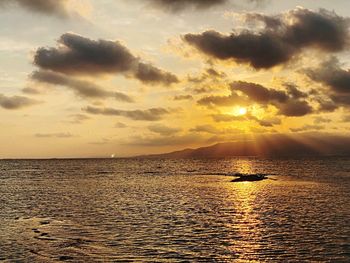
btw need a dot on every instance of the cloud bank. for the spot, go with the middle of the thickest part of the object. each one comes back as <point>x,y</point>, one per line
<point>55,7</point>
<point>283,37</point>
<point>78,55</point>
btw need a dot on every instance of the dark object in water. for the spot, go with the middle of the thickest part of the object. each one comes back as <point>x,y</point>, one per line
<point>249,177</point>
<point>64,258</point>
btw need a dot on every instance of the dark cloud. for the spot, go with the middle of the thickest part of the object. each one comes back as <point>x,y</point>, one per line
<point>183,97</point>
<point>259,93</point>
<point>163,130</point>
<point>55,7</point>
<point>307,127</point>
<point>147,73</point>
<point>332,75</point>
<point>294,108</point>
<point>16,102</point>
<point>154,114</point>
<point>293,90</point>
<point>288,103</point>
<point>269,122</point>
<point>226,101</point>
<point>228,118</point>
<point>177,5</point>
<point>79,55</point>
<point>54,135</point>
<point>327,105</point>
<point>280,41</point>
<point>82,88</point>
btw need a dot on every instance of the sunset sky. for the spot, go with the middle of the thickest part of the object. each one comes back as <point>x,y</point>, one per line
<point>93,78</point>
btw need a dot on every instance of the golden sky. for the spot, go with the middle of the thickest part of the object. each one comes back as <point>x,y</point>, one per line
<point>92,78</point>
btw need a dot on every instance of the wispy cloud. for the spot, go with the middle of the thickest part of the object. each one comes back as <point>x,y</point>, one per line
<point>82,88</point>
<point>153,114</point>
<point>16,102</point>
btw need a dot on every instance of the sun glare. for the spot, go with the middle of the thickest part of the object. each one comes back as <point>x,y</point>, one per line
<point>242,111</point>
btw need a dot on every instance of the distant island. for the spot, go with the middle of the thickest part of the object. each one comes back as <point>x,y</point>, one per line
<point>276,145</point>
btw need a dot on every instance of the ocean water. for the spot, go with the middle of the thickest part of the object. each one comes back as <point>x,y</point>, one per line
<point>132,210</point>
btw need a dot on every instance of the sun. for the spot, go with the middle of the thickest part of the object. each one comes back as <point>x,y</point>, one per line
<point>242,111</point>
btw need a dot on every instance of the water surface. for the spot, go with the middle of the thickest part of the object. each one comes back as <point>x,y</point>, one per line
<point>174,210</point>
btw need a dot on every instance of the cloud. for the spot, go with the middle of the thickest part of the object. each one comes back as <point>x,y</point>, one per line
<point>120,125</point>
<point>51,7</point>
<point>331,74</point>
<point>208,74</point>
<point>183,97</point>
<point>279,42</point>
<point>206,128</point>
<point>30,90</point>
<point>163,130</point>
<point>78,55</point>
<point>321,119</point>
<point>147,73</point>
<point>16,102</point>
<point>230,100</point>
<point>228,118</point>
<point>82,88</point>
<point>327,105</point>
<point>54,135</point>
<point>177,5</point>
<point>78,118</point>
<point>259,93</point>
<point>266,122</point>
<point>201,90</point>
<point>346,118</point>
<point>269,122</point>
<point>180,5</point>
<point>295,108</point>
<point>287,102</point>
<point>294,92</point>
<point>307,127</point>
<point>153,114</point>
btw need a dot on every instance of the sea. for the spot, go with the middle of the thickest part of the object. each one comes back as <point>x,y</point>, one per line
<point>181,210</point>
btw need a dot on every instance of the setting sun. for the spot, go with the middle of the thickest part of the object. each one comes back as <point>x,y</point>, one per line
<point>242,111</point>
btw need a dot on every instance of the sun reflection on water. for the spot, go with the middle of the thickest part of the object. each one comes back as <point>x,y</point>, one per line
<point>247,223</point>
<point>244,166</point>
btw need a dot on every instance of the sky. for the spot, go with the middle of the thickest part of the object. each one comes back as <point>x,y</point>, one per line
<point>101,78</point>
